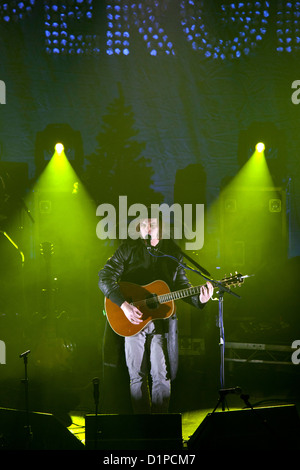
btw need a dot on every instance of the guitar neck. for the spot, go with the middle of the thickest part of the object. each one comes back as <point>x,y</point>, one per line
<point>235,280</point>
<point>179,294</point>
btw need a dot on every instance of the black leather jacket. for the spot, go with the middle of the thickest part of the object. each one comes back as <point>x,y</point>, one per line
<point>132,262</point>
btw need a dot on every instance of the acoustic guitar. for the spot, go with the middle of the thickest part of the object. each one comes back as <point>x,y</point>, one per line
<point>154,300</point>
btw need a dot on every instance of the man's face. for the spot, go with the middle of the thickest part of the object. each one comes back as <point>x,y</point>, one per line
<point>149,227</point>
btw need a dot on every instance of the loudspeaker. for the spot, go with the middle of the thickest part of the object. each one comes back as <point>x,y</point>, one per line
<point>47,433</point>
<point>133,432</point>
<point>252,227</point>
<point>275,427</point>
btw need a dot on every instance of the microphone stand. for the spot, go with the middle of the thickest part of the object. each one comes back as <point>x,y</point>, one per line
<point>222,394</point>
<point>221,291</point>
<point>220,318</point>
<point>27,427</point>
<point>96,400</point>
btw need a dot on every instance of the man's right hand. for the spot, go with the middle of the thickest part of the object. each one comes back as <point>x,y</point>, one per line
<point>132,313</point>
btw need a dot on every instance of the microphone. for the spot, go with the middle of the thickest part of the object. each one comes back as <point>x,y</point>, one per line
<point>25,354</point>
<point>148,241</point>
<point>96,389</point>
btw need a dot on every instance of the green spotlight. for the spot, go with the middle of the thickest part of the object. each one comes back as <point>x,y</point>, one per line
<point>59,148</point>
<point>260,147</point>
<point>69,224</point>
<point>247,235</point>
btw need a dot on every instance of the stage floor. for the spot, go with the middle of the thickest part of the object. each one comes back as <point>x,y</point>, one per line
<point>190,422</point>
<point>191,419</point>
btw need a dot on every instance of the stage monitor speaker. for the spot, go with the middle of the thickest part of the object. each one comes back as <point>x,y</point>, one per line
<point>252,227</point>
<point>47,432</point>
<point>266,428</point>
<point>133,432</point>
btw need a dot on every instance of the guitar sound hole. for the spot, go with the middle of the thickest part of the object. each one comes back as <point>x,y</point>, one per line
<point>152,301</point>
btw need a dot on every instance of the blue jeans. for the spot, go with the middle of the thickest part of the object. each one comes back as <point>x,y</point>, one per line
<point>146,353</point>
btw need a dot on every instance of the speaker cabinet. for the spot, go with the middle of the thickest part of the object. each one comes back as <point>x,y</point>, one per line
<point>252,227</point>
<point>275,427</point>
<point>47,433</point>
<point>133,432</point>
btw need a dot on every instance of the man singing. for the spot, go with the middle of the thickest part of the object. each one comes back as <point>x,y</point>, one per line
<point>151,351</point>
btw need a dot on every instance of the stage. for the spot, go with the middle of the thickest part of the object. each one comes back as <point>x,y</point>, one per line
<point>112,108</point>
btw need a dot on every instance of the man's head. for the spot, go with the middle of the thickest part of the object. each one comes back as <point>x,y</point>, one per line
<point>149,226</point>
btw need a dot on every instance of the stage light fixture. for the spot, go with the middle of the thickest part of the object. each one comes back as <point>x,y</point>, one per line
<point>59,148</point>
<point>260,147</point>
<point>264,142</point>
<point>61,139</point>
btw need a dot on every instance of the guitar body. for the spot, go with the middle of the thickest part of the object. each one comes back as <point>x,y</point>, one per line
<point>154,300</point>
<point>144,298</point>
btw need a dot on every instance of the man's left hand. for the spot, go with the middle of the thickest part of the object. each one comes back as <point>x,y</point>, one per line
<point>206,292</point>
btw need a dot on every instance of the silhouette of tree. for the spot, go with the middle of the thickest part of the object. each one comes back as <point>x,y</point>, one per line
<point>117,167</point>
